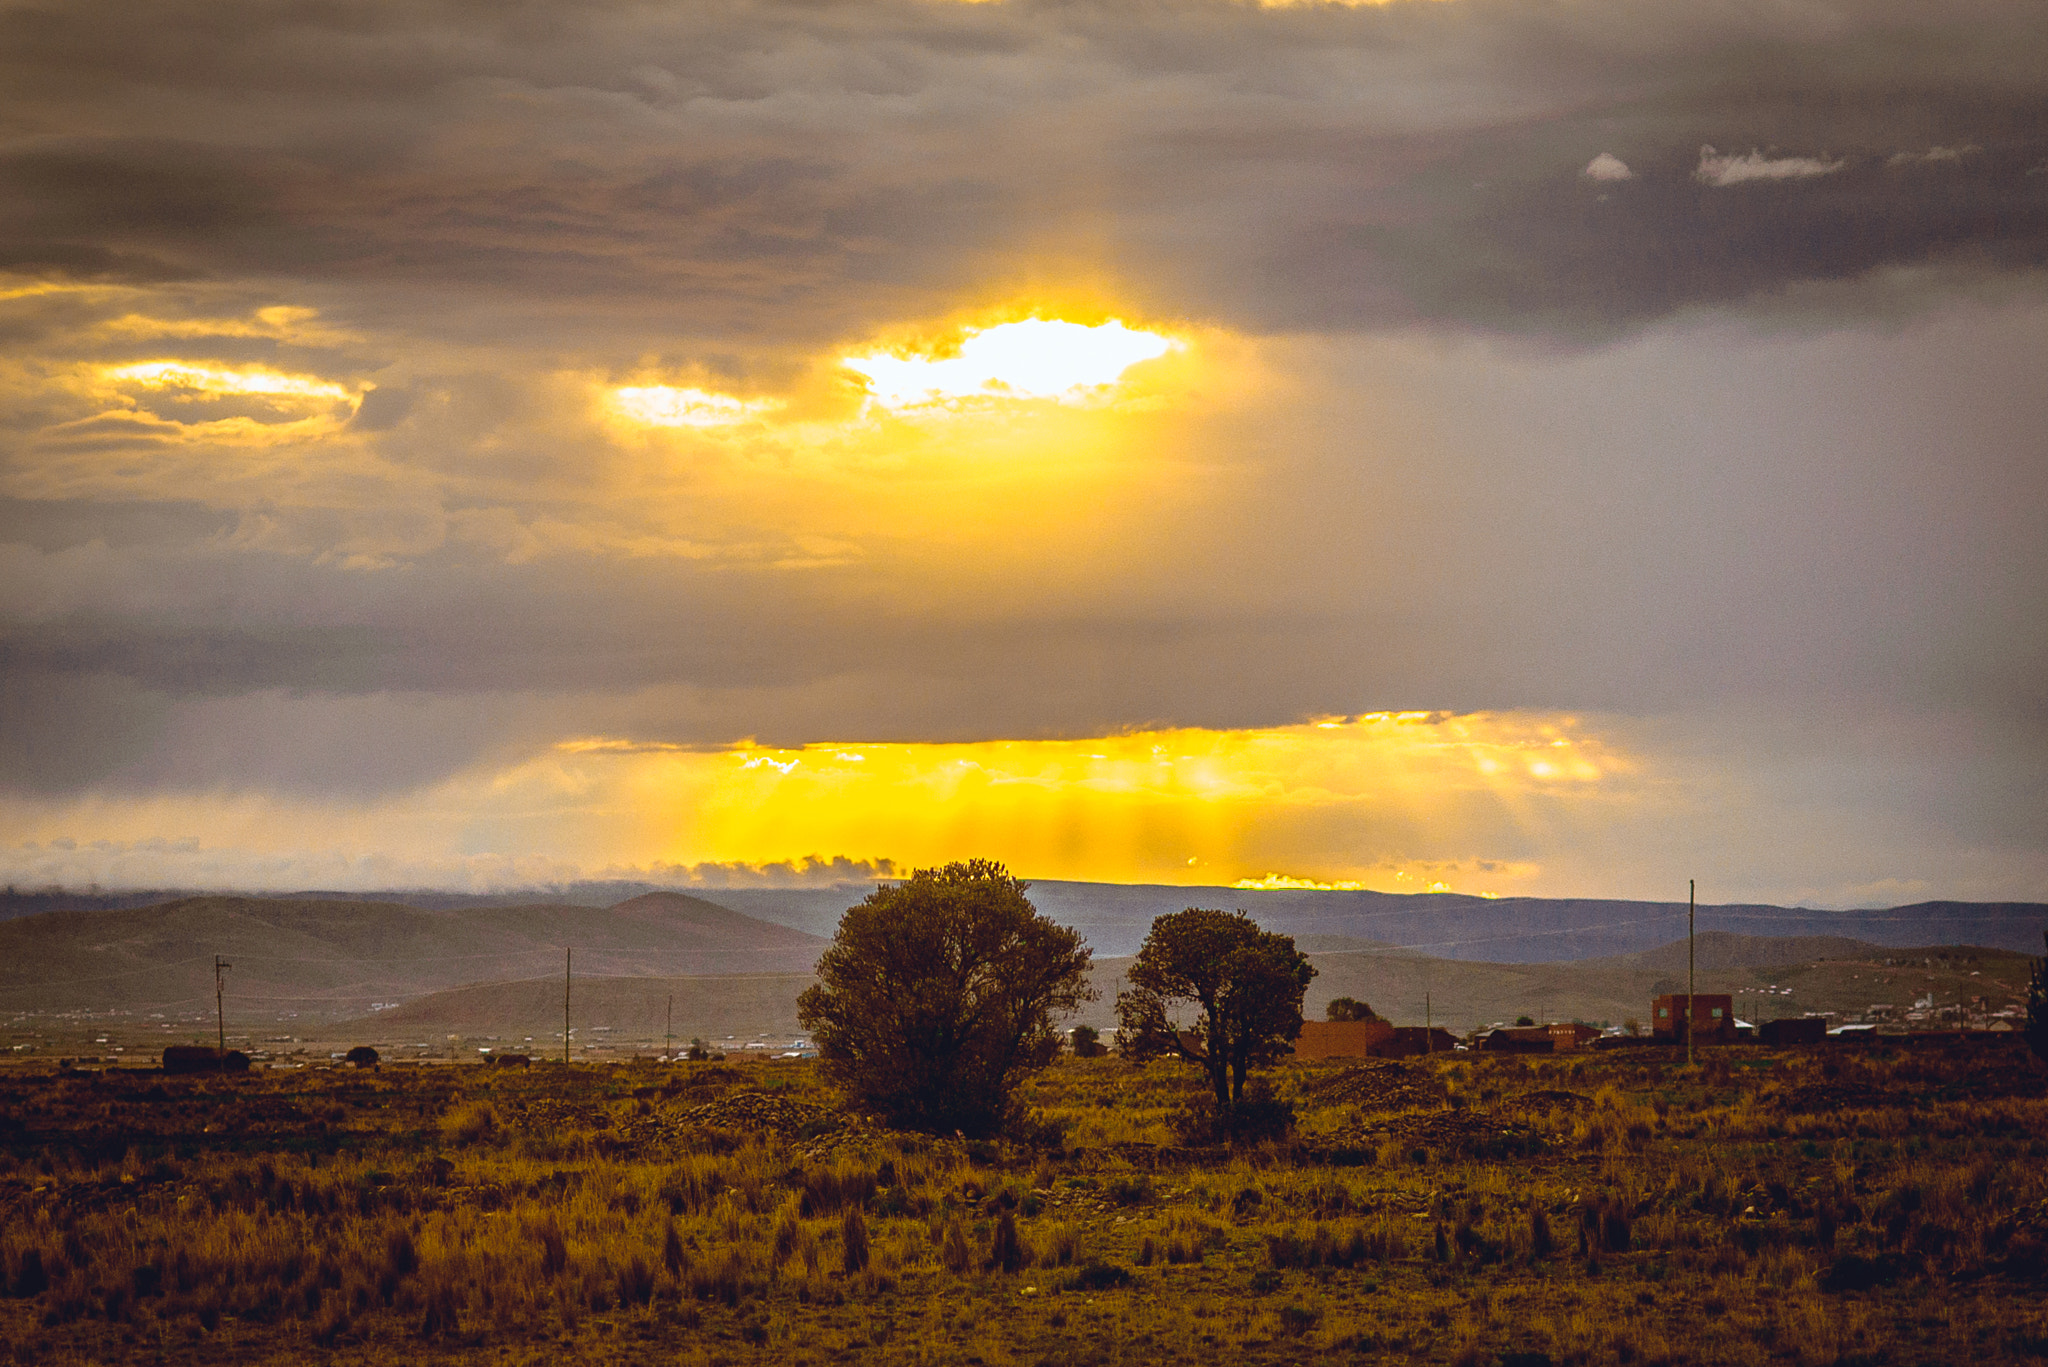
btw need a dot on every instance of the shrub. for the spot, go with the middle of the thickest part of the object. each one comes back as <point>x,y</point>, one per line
<point>853,1238</point>
<point>1098,1276</point>
<point>1006,1250</point>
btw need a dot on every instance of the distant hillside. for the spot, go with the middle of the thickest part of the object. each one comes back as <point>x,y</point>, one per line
<point>336,958</point>
<point>1115,916</point>
<point>623,1011</point>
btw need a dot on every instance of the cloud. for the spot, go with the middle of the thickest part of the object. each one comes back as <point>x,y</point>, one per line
<point>810,871</point>
<point>1933,156</point>
<point>1447,431</point>
<point>646,176</point>
<point>1723,171</point>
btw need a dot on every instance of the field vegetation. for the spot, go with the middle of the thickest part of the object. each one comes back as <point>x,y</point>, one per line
<point>1848,1204</point>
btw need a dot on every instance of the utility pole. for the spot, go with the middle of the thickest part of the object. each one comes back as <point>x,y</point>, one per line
<point>220,992</point>
<point>668,1053</point>
<point>1691,893</point>
<point>1428,1027</point>
<point>568,957</point>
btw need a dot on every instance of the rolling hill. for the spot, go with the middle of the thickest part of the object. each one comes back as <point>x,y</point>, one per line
<point>334,959</point>
<point>1116,916</point>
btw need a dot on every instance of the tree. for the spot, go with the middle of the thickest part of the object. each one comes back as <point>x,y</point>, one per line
<point>1087,1041</point>
<point>1245,983</point>
<point>1349,1009</point>
<point>2037,1005</point>
<point>937,997</point>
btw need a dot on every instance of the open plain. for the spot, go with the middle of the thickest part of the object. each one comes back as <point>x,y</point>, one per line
<point>1871,1203</point>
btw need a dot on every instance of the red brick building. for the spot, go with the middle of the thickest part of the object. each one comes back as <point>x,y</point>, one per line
<point>1713,1018</point>
<point>1341,1039</point>
<point>1568,1035</point>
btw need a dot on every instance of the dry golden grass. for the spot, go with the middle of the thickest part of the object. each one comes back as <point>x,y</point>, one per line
<point>1846,1205</point>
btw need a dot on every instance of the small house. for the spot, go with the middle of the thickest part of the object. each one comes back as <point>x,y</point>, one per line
<point>1568,1035</point>
<point>1341,1039</point>
<point>1411,1040</point>
<point>1713,1017</point>
<point>1519,1039</point>
<point>1793,1030</point>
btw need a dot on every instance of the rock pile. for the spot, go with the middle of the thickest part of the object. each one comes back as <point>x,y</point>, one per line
<point>1472,1133</point>
<point>1378,1087</point>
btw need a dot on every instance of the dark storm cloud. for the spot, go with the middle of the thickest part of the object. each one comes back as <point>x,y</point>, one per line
<point>73,261</point>
<point>484,195</point>
<point>779,171</point>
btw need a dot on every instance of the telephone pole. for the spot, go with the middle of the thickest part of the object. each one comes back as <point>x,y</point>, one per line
<point>1428,1027</point>
<point>669,1050</point>
<point>1691,893</point>
<point>568,958</point>
<point>220,992</point>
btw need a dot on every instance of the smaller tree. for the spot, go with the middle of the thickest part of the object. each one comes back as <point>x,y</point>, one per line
<point>2037,1005</point>
<point>1349,1009</point>
<point>362,1056</point>
<point>1087,1042</point>
<point>1525,1021</point>
<point>1244,984</point>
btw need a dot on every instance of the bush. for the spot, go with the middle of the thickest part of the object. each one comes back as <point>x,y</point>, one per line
<point>1096,1276</point>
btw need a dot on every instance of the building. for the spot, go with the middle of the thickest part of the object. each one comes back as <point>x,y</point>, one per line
<point>1411,1040</point>
<point>1792,1030</point>
<point>1519,1039</point>
<point>1341,1039</point>
<point>1713,1018</point>
<point>1568,1035</point>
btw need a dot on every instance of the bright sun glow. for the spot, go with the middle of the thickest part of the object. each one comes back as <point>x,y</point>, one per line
<point>220,381</point>
<point>660,405</point>
<point>1395,802</point>
<point>1035,358</point>
<point>1384,792</point>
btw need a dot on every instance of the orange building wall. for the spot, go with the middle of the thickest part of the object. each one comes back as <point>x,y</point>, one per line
<point>1341,1039</point>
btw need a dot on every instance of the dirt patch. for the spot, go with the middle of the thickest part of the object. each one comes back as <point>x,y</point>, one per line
<point>1467,1133</point>
<point>1552,1099</point>
<point>1378,1087</point>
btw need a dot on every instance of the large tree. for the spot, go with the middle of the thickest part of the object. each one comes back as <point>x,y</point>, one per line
<point>937,997</point>
<point>1244,985</point>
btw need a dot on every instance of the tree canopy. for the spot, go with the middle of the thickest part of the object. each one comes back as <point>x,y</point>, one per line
<point>1349,1009</point>
<point>937,997</point>
<point>1245,985</point>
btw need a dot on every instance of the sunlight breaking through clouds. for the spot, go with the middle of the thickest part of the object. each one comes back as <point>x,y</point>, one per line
<point>220,380</point>
<point>1033,358</point>
<point>663,405</point>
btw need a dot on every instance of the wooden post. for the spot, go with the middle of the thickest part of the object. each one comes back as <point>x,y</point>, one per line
<point>220,989</point>
<point>1428,1028</point>
<point>1691,892</point>
<point>668,1053</point>
<point>568,957</point>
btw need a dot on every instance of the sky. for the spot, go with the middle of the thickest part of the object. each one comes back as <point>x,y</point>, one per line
<point>1522,447</point>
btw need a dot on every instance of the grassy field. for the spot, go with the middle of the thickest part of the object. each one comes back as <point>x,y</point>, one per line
<point>1851,1204</point>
